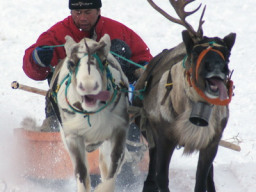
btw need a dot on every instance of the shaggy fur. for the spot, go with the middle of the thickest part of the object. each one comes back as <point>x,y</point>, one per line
<point>169,118</point>
<point>82,133</point>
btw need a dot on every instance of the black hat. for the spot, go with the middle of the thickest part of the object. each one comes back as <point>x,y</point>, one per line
<point>84,4</point>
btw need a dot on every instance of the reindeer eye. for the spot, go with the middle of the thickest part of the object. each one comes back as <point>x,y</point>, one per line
<point>71,65</point>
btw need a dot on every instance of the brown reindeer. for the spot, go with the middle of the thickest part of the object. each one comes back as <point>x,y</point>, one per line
<point>187,90</point>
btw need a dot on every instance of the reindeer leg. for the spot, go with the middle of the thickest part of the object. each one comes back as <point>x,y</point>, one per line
<point>157,179</point>
<point>210,181</point>
<point>204,174</point>
<point>76,148</point>
<point>110,170</point>
<point>165,150</point>
<point>150,183</point>
<point>118,152</point>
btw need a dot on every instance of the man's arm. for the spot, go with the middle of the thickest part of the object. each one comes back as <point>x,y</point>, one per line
<point>31,69</point>
<point>37,61</point>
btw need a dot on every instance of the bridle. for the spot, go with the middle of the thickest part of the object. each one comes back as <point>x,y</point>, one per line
<point>111,86</point>
<point>215,101</point>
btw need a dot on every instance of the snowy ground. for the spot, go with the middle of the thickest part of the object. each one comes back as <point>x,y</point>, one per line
<point>23,21</point>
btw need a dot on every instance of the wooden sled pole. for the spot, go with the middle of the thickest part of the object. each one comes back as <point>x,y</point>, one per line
<point>16,85</point>
<point>229,145</point>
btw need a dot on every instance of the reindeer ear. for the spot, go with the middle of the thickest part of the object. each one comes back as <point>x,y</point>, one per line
<point>230,40</point>
<point>105,43</point>
<point>187,41</point>
<point>70,43</point>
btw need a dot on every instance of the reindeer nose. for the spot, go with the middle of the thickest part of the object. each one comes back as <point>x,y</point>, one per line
<point>88,87</point>
<point>214,63</point>
<point>216,66</point>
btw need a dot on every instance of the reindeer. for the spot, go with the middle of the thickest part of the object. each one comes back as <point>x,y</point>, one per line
<point>92,109</point>
<point>186,93</point>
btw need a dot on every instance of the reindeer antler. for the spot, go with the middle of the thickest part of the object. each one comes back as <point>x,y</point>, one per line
<point>89,56</point>
<point>179,6</point>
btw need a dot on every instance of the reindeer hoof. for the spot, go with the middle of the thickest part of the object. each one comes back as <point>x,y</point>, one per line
<point>150,187</point>
<point>106,186</point>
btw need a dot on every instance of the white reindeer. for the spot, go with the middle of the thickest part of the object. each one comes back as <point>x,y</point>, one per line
<point>93,109</point>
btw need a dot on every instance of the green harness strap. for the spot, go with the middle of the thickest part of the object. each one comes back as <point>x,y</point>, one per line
<point>67,82</point>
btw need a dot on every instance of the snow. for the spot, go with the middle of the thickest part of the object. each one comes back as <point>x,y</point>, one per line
<point>24,20</point>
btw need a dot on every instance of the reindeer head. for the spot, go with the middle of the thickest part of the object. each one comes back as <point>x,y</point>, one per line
<point>207,67</point>
<point>207,59</point>
<point>86,62</point>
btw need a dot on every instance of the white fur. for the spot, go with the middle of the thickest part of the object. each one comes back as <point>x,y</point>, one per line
<point>107,186</point>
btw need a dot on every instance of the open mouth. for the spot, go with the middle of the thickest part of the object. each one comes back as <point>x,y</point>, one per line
<point>216,88</point>
<point>91,100</point>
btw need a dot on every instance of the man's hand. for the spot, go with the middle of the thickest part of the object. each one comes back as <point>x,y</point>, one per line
<point>42,56</point>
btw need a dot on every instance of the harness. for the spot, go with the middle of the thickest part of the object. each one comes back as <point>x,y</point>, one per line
<point>215,101</point>
<point>111,86</point>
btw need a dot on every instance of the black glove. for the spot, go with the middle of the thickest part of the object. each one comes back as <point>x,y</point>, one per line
<point>42,56</point>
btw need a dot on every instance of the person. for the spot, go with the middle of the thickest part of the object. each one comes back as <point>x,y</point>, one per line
<point>85,21</point>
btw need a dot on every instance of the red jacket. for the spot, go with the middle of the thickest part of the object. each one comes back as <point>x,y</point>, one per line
<point>56,36</point>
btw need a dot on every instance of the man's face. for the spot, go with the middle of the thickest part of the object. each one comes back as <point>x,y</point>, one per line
<point>85,19</point>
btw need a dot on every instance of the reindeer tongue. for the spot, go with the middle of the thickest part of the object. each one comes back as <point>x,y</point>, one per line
<point>223,93</point>
<point>102,96</point>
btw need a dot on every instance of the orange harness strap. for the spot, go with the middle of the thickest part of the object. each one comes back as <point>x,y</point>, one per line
<point>216,101</point>
<point>199,91</point>
<point>201,56</point>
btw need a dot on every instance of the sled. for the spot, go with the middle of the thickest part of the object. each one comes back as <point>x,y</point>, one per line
<point>44,156</point>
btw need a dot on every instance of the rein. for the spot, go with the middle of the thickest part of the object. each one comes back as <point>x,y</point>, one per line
<point>192,83</point>
<point>121,57</point>
<point>131,62</point>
